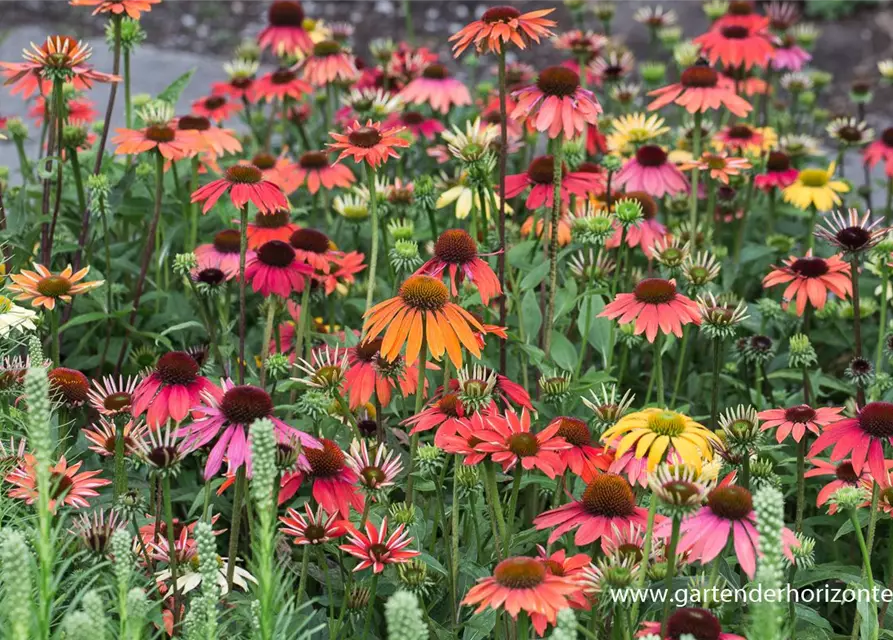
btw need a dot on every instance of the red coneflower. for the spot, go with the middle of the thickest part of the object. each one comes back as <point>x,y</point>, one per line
<point>557,104</point>
<point>280,84</point>
<point>314,528</point>
<point>779,173</point>
<point>844,476</point>
<point>78,111</point>
<point>436,88</point>
<point>509,441</point>
<point>327,64</point>
<point>279,170</point>
<point>697,91</point>
<point>444,412</point>
<point>314,248</point>
<point>457,253</point>
<point>67,486</point>
<point>368,373</point>
<point>689,621</point>
<point>272,269</point>
<point>798,419</point>
<point>215,107</point>
<point>738,41</point>
<point>133,8</point>
<point>650,171</point>
<point>171,390</point>
<point>285,34</point>
<point>881,150</point>
<point>315,168</point>
<point>540,177</point>
<point>376,548</point>
<point>334,482</point>
<point>581,454</point>
<point>811,278</point>
<point>245,183</point>
<point>201,136</point>
<point>372,143</point>
<point>266,227</point>
<point>862,437</point>
<point>500,25</point>
<point>654,305</point>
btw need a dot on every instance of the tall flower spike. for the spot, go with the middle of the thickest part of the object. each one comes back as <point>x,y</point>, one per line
<point>404,617</point>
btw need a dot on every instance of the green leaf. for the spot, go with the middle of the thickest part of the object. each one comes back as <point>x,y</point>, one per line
<point>868,628</point>
<point>181,326</point>
<point>563,352</point>
<point>173,91</point>
<point>599,335</point>
<point>519,255</point>
<point>531,318</point>
<point>535,276</point>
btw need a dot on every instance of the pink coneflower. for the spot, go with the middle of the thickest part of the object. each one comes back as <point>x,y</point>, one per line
<point>171,390</point>
<point>607,505</point>
<point>215,107</point>
<point>647,232</point>
<point>653,305</point>
<point>689,622</point>
<point>540,175</point>
<point>372,143</point>
<point>557,104</point>
<point>203,137</point>
<point>374,471</point>
<point>420,125</point>
<point>368,373</point>
<point>327,64</point>
<point>456,253</point>
<point>312,528</point>
<point>810,279</point>
<point>613,66</point>
<point>112,397</point>
<point>798,419</point>
<point>862,437</point>
<point>697,91</point>
<point>226,415</point>
<point>376,548</point>
<point>285,33</point>
<point>789,57</point>
<point>281,84</point>
<point>738,41</point>
<point>436,88</point>
<point>779,173</point>
<point>67,486</point>
<point>650,171</point>
<point>585,45</point>
<point>272,269</point>
<point>500,25</point>
<point>582,454</point>
<point>102,436</point>
<point>223,252</point>
<point>728,512</point>
<point>881,150</point>
<point>315,168</point>
<point>244,183</point>
<point>844,476</point>
<point>266,227</point>
<point>509,441</point>
<point>334,482</point>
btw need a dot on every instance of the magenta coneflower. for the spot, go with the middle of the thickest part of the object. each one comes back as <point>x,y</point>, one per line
<point>436,88</point>
<point>540,178</point>
<point>327,64</point>
<point>244,183</point>
<point>420,125</point>
<point>788,56</point>
<point>779,173</point>
<point>212,270</point>
<point>272,269</point>
<point>650,171</point>
<point>171,390</point>
<point>862,438</point>
<point>376,548</point>
<point>285,33</point>
<point>798,419</point>
<point>112,396</point>
<point>227,413</point>
<point>557,104</point>
<point>223,251</point>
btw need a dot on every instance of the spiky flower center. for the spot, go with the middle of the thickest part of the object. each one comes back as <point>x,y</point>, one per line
<point>887,136</point>
<point>424,293</point>
<point>326,48</point>
<point>117,401</point>
<point>274,220</point>
<point>372,476</point>
<point>802,413</point>
<point>651,155</point>
<point>574,431</point>
<point>412,118</point>
<point>214,102</point>
<point>815,178</point>
<point>519,573</point>
<point>60,485</point>
<point>523,444</point>
<point>160,133</point>
<point>853,238</point>
<point>761,344</point>
<point>810,267</point>
<point>53,286</point>
<point>666,423</point>
<point>276,253</point>
<point>542,170</point>
<point>698,623</point>
<point>500,14</point>
<point>655,291</point>
<point>449,405</point>
<point>310,240</point>
<point>244,174</point>
<point>177,368</point>
<point>314,160</point>
<point>314,533</point>
<point>558,81</point>
<point>264,161</point>
<point>876,419</point>
<point>846,473</point>
<point>715,162</point>
<point>778,161</point>
<point>740,132</point>
<point>327,461</point>
<point>849,133</point>
<point>71,384</point>
<point>286,13</point>
<point>456,247</point>
<point>163,456</point>
<point>368,351</point>
<point>554,567</point>
<point>730,503</point>
<point>680,491</point>
<point>609,495</point>
<point>735,32</point>
<point>282,76</point>
<point>193,123</point>
<point>246,403</point>
<point>699,76</point>
<point>364,137</point>
<point>435,72</point>
<point>227,241</point>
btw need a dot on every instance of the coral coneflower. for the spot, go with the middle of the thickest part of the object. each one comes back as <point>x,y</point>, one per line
<point>240,85</point>
<point>215,107</point>
<point>112,397</point>
<point>520,583</point>
<point>436,88</point>
<point>654,305</point>
<point>796,420</point>
<point>881,150</point>
<point>244,183</point>
<point>160,133</point>
<point>60,57</point>
<point>814,187</point>
<point>844,476</point>
<point>315,168</point>
<point>581,454</point>
<point>67,486</point>
<point>273,269</point>
<point>607,505</point>
<point>131,8</point>
<point>103,435</point>
<point>171,390</point>
<point>78,111</point>
<point>200,136</point>
<point>557,104</point>
<point>560,563</point>
<point>313,248</point>
<point>285,33</point>
<point>279,85</point>
<point>376,549</point>
<point>650,171</point>
<point>498,26</point>
<point>697,91</point>
<point>456,252</point>
<point>368,373</point>
<point>810,278</point>
<point>69,387</point>
<point>445,412</point>
<point>693,622</point>
<point>334,482</point>
<point>328,63</point>
<point>719,166</point>
<point>509,441</point>
<point>372,143</point>
<point>738,41</point>
<point>779,173</point>
<point>743,139</point>
<point>422,312</point>
<point>862,437</point>
<point>540,178</point>
<point>266,227</point>
<point>312,528</point>
<point>44,288</point>
<point>223,252</point>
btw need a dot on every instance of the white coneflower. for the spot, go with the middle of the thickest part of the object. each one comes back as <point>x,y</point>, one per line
<point>325,370</point>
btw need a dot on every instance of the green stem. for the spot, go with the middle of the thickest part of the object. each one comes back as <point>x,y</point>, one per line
<point>513,500</point>
<point>128,116</point>
<point>373,257</point>
<point>492,492</point>
<point>78,179</point>
<point>882,324</point>
<point>193,206</point>
<point>646,555</point>
<point>671,571</point>
<point>54,335</point>
<point>659,367</point>
<point>865,549</point>
<point>419,403</point>
<point>120,471</point>
<point>243,323</point>
<point>587,325</point>
<point>695,176</point>
<point>302,581</point>
<point>303,322</point>
<point>238,499</point>
<point>558,158</point>
<point>683,349</point>
<point>268,337</point>
<point>371,610</point>
<point>172,552</point>
<point>454,539</point>
<point>810,237</point>
<point>329,595</point>
<point>714,394</point>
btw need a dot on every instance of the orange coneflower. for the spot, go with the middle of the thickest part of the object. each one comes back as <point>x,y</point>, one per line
<point>244,183</point>
<point>811,278</point>
<point>159,133</point>
<point>281,84</point>
<point>61,57</point>
<point>422,311</point>
<point>133,8</point>
<point>66,484</point>
<point>500,25</point>
<point>327,64</point>
<point>698,90</point>
<point>371,142</point>
<point>197,132</point>
<point>738,41</point>
<point>720,165</point>
<point>654,305</point>
<point>276,225</point>
<point>44,288</point>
